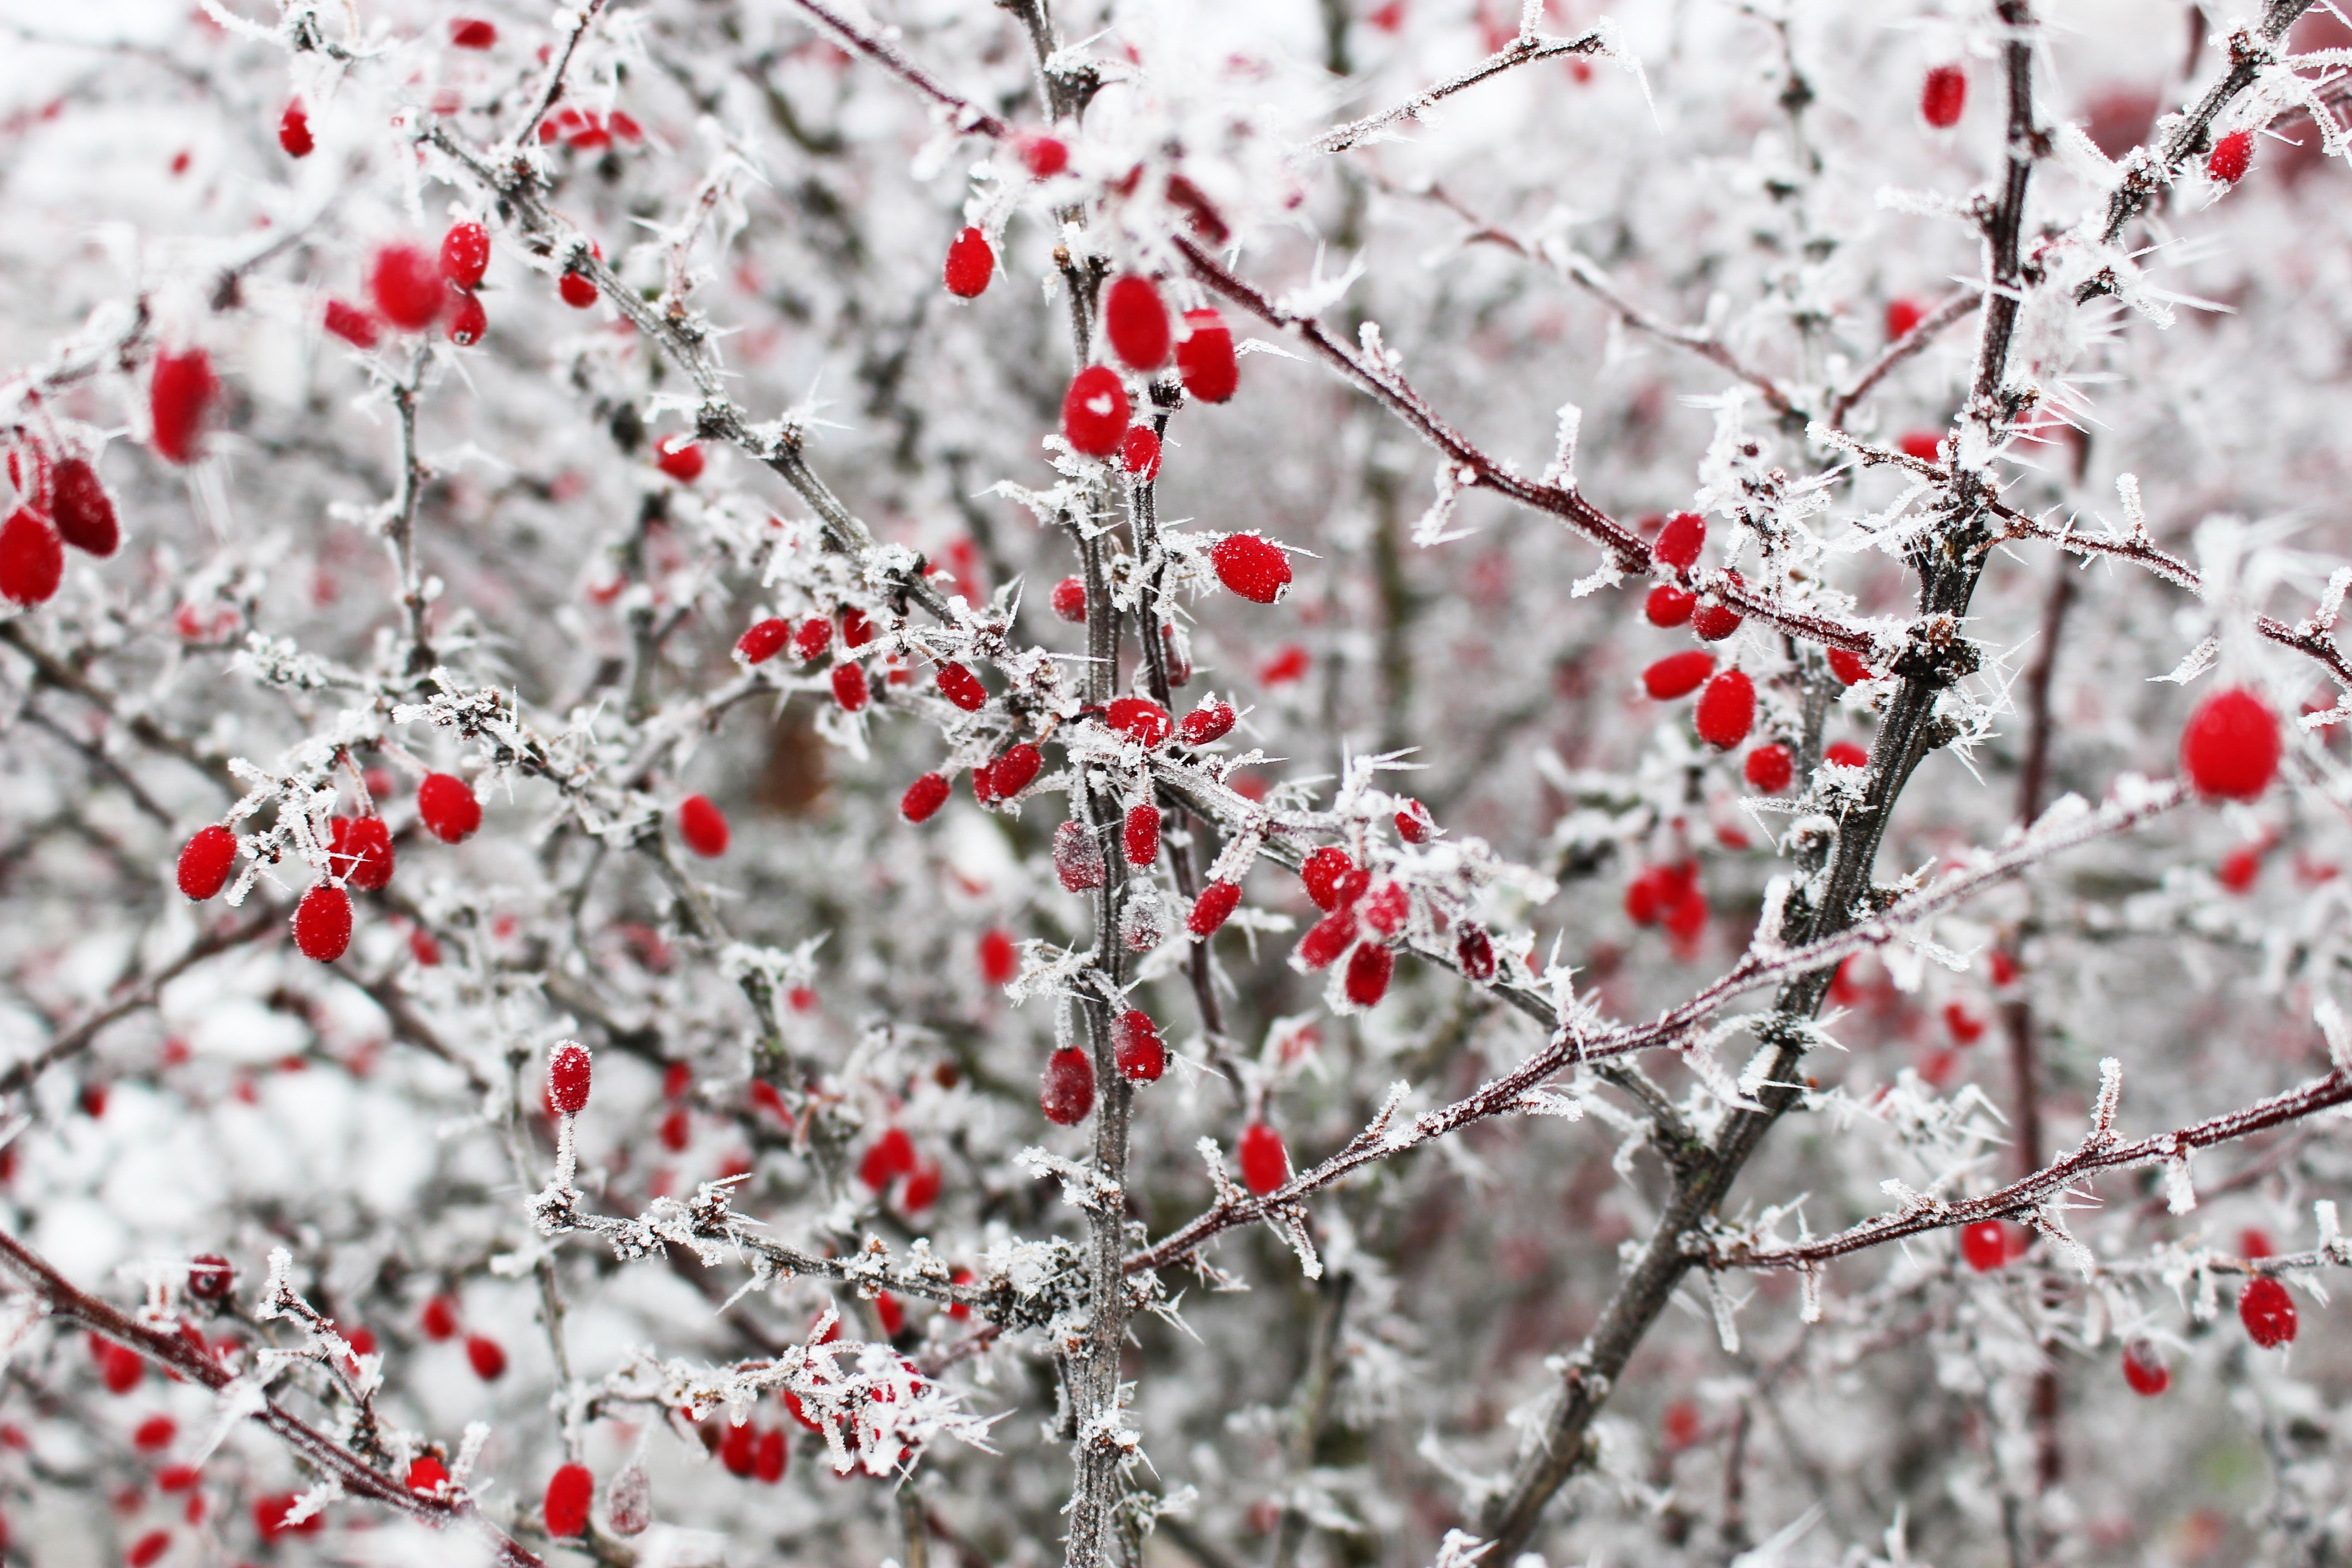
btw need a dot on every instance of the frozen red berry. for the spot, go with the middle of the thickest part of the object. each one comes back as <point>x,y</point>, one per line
<point>1413,824</point>
<point>1668,606</point>
<point>1927,445</point>
<point>1204,357</point>
<point>1095,411</point>
<point>1069,600</point>
<point>206,862</point>
<point>1324,871</point>
<point>486,1357</point>
<point>1680,540</point>
<point>1209,723</point>
<point>1845,754</point>
<point>180,394</point>
<point>2230,748</point>
<point>472,33</point>
<point>1067,1092</point>
<point>82,510</point>
<point>1769,768</point>
<point>1902,315</point>
<point>1476,953</point>
<point>680,457</point>
<point>406,285</point>
<point>1848,666</point>
<point>1265,1163</point>
<point>570,1073</point>
<point>1135,322</point>
<point>294,131</point>
<point>1077,858</point>
<point>1016,771</point>
<point>961,686</point>
<point>1140,718</point>
<point>2267,1310</point>
<point>564,1510</point>
<point>1139,453</point>
<point>849,688</point>
<point>762,640</point>
<point>445,804</point>
<point>32,558</point>
<point>971,264</point>
<point>210,1276</point>
<point>1942,95</point>
<point>427,1475</point>
<point>856,631</point>
<point>155,1432</point>
<point>922,1188</point>
<point>1366,979</point>
<point>467,320</point>
<point>814,639</point>
<point>2232,156</point>
<point>322,923</point>
<point>576,289</point>
<point>1000,960</point>
<point>1714,620</point>
<point>702,826</point>
<point>1678,673</point>
<point>888,1158</point>
<point>1984,1245</point>
<point>1140,837</point>
<point>466,254</point>
<point>1251,566</point>
<point>1136,1047</point>
<point>1213,908</point>
<point>924,797</point>
<point>1043,156</point>
<point>359,850</point>
<point>2144,1369</point>
<point>1326,940</point>
<point>352,323</point>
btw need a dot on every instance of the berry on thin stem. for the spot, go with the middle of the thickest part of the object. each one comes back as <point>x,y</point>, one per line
<point>2267,1311</point>
<point>1251,567</point>
<point>447,807</point>
<point>1067,1092</point>
<point>1204,357</point>
<point>1265,1163</point>
<point>322,923</point>
<point>1095,411</point>
<point>969,265</point>
<point>570,1074</point>
<point>1069,600</point>
<point>2230,748</point>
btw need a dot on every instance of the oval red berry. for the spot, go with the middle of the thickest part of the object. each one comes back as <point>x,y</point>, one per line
<point>446,803</point>
<point>702,826</point>
<point>1095,411</point>
<point>322,923</point>
<point>206,862</point>
<point>1135,322</point>
<point>969,265</point>
<point>1251,567</point>
<point>1204,357</point>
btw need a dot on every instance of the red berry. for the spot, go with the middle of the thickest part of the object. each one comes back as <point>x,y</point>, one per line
<point>1680,540</point>
<point>1769,768</point>
<point>1368,974</point>
<point>467,320</point>
<point>1070,600</point>
<point>1043,156</point>
<point>1016,771</point>
<point>676,1130</point>
<point>1848,666</point>
<point>1213,908</point>
<point>446,805</point>
<point>1902,315</point>
<point>1324,871</point>
<point>269,1516</point>
<point>1139,718</point>
<point>1984,1245</point>
<point>2230,748</point>
<point>1251,567</point>
<point>776,1454</point>
<point>849,688</point>
<point>1136,1043</point>
<point>764,640</point>
<point>1326,939</point>
<point>407,286</point>
<point>359,850</point>
<point>426,1474</point>
<point>922,1189</point>
<point>577,289</point>
<point>971,264</point>
<point>1678,673</point>
<point>1000,961</point>
<point>2230,158</point>
<point>1927,445</point>
<point>856,631</point>
<point>961,686</point>
<point>1077,858</point>
<point>2240,868</point>
<point>148,1549</point>
<point>1476,952</point>
<point>1943,95</point>
<point>322,923</point>
<point>351,323</point>
<point>703,826</point>
<point>180,394</point>
<point>1413,824</point>
<point>155,1432</point>
<point>473,33</point>
<point>1136,324</point>
<point>1265,1163</point>
<point>1142,839</point>
<point>206,862</point>
<point>1093,411</point>
<point>1139,453</point>
<point>2144,1369</point>
<point>1668,606</point>
<point>210,1276</point>
<point>569,1074</point>
<point>2268,1312</point>
<point>121,1367</point>
<point>1204,357</point>
<point>82,509</point>
<point>888,1158</point>
<point>439,1318</point>
<point>294,131</point>
<point>177,1477</point>
<point>1209,723</point>
<point>466,254</point>
<point>924,797</point>
<point>1845,754</point>
<point>1067,1092</point>
<point>1713,620</point>
<point>569,1492</point>
<point>814,639</point>
<point>678,458</point>
<point>488,1357</point>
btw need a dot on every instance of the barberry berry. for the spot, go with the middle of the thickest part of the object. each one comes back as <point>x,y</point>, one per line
<point>1077,858</point>
<point>1000,960</point>
<point>1413,824</point>
<point>1136,1047</point>
<point>564,1510</point>
<point>1769,768</point>
<point>1326,940</point>
<point>1067,1091</point>
<point>1476,953</point>
<point>2232,156</point>
<point>2267,1311</point>
<point>1139,453</point>
<point>2230,747</point>
<point>1251,567</point>
<point>1141,835</point>
<point>445,804</point>
<point>1984,1245</point>
<point>322,923</point>
<point>1714,620</point>
<point>961,686</point>
<point>1368,974</point>
<point>1324,870</point>
<point>1204,357</point>
<point>1069,600</point>
<point>352,323</point>
<point>1212,908</point>
<point>472,33</point>
<point>1943,95</point>
<point>576,289</point>
<point>1265,1163</point>
<point>1209,723</point>
<point>210,1276</point>
<point>1848,666</point>
<point>82,510</point>
<point>1902,315</point>
<point>1043,156</point>
<point>486,1357</point>
<point>1140,718</point>
<point>1678,673</point>
<point>1095,411</point>
<point>702,826</point>
<point>180,393</point>
<point>466,254</point>
<point>849,688</point>
<point>206,862</point>
<point>294,131</point>
<point>762,640</point>
<point>570,1073</point>
<point>971,264</point>
<point>359,850</point>
<point>1135,322</point>
<point>2144,1369</point>
<point>1016,771</point>
<point>1669,606</point>
<point>680,457</point>
<point>924,797</point>
<point>888,1158</point>
<point>467,320</point>
<point>406,285</point>
<point>1845,754</point>
<point>1680,540</point>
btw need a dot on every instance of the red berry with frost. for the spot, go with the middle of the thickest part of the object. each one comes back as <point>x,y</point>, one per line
<point>359,850</point>
<point>676,1130</point>
<point>1714,620</point>
<point>762,640</point>
<point>1209,723</point>
<point>1251,567</point>
<point>1141,835</point>
<point>32,557</point>
<point>1769,768</point>
<point>466,254</point>
<point>1067,1091</point>
<point>446,803</point>
<point>961,686</point>
<point>1386,908</point>
<point>322,923</point>
<point>1204,357</point>
<point>1727,709</point>
<point>294,131</point>
<point>1000,960</point>
<point>1069,600</point>
<point>155,1432</point>
<point>1043,156</point>
<point>680,457</point>
<point>1668,606</point>
<point>472,33</point>
<point>924,797</point>
<point>1476,953</point>
<point>1902,315</point>
<point>577,289</point>
<point>1368,974</point>
<point>702,826</point>
<point>1984,1245</point>
<point>1095,411</point>
<point>406,286</point>
<point>922,1188</point>
<point>1135,322</point>
<point>564,1510</point>
<point>1942,95</point>
<point>1413,824</point>
<point>1848,666</point>
<point>1265,1163</point>
<point>426,1474</point>
<point>1136,1047</point>
<point>971,264</point>
<point>1680,540</point>
<point>210,1276</point>
<point>1323,871</point>
<point>1678,673</point>
<point>1140,719</point>
<point>814,639</point>
<point>1213,908</point>
<point>570,1072</point>
<point>849,688</point>
<point>1077,858</point>
<point>2230,748</point>
<point>888,1158</point>
<point>2144,1369</point>
<point>354,325</point>
<point>1016,771</point>
<point>206,862</point>
<point>2232,156</point>
<point>1845,754</point>
<point>467,320</point>
<point>856,631</point>
<point>1927,445</point>
<point>439,1318</point>
<point>1326,940</point>
<point>82,510</point>
<point>2268,1312</point>
<point>180,394</point>
<point>486,1357</point>
<point>1139,453</point>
